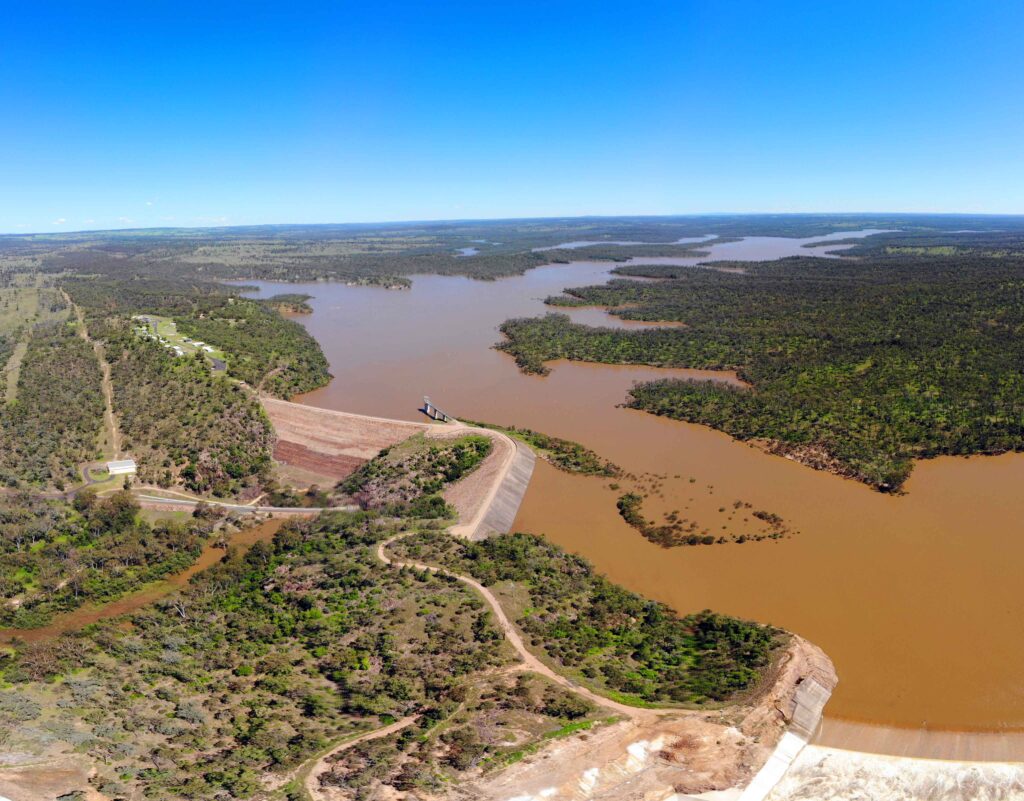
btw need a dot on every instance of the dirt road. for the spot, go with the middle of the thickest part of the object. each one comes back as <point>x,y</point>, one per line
<point>530,661</point>
<point>312,781</point>
<point>113,435</point>
<point>692,751</point>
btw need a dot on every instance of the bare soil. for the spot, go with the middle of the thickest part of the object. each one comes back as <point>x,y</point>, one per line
<point>652,754</point>
<point>31,778</point>
<point>331,444</point>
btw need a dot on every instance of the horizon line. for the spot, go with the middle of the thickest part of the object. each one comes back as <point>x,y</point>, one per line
<point>455,220</point>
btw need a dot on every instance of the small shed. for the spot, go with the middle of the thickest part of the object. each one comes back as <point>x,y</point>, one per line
<point>121,467</point>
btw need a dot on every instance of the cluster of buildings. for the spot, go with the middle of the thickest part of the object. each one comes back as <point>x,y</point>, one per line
<point>200,345</point>
<point>150,330</point>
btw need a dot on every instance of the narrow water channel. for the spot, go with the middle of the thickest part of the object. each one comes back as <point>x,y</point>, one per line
<point>93,613</point>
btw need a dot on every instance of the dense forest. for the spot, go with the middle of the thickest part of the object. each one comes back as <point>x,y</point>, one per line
<point>255,667</point>
<point>620,642</point>
<point>271,655</point>
<point>264,349</point>
<point>184,424</point>
<point>53,423</point>
<point>998,242</point>
<point>857,366</point>
<point>55,557</point>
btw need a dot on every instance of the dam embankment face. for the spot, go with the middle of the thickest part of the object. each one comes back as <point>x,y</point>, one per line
<point>916,598</point>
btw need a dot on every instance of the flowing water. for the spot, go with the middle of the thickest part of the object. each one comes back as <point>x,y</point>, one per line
<point>93,613</point>
<point>917,599</point>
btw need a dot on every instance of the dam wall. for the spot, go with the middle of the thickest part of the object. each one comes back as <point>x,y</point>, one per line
<point>328,443</point>
<point>328,446</point>
<point>501,513</point>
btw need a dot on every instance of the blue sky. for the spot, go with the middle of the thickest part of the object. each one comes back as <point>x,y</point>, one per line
<point>131,115</point>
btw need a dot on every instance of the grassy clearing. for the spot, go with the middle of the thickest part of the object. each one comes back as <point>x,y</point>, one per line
<point>105,482</point>
<point>13,371</point>
<point>18,305</point>
<point>152,516</point>
<point>575,727</point>
<point>166,330</point>
<point>25,303</point>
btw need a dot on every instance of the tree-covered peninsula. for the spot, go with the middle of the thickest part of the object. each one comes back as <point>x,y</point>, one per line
<point>856,366</point>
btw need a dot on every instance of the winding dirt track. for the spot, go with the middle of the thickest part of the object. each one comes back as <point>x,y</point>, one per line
<point>312,781</point>
<point>530,662</point>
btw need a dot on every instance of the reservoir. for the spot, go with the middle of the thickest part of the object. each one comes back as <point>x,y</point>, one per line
<point>916,598</point>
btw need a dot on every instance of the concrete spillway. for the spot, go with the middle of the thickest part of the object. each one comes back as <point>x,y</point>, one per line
<point>501,512</point>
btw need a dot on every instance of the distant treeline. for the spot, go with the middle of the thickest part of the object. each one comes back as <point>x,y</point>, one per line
<point>385,254</point>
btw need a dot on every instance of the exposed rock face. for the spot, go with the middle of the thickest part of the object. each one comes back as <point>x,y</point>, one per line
<point>659,757</point>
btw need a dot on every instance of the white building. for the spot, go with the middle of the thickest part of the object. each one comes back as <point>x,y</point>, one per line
<point>121,467</point>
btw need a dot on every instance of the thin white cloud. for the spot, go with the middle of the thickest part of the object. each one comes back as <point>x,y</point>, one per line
<point>149,202</point>
<point>89,222</point>
<point>125,220</point>
<point>59,221</point>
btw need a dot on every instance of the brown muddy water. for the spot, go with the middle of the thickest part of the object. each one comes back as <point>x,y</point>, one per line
<point>93,613</point>
<point>918,599</point>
